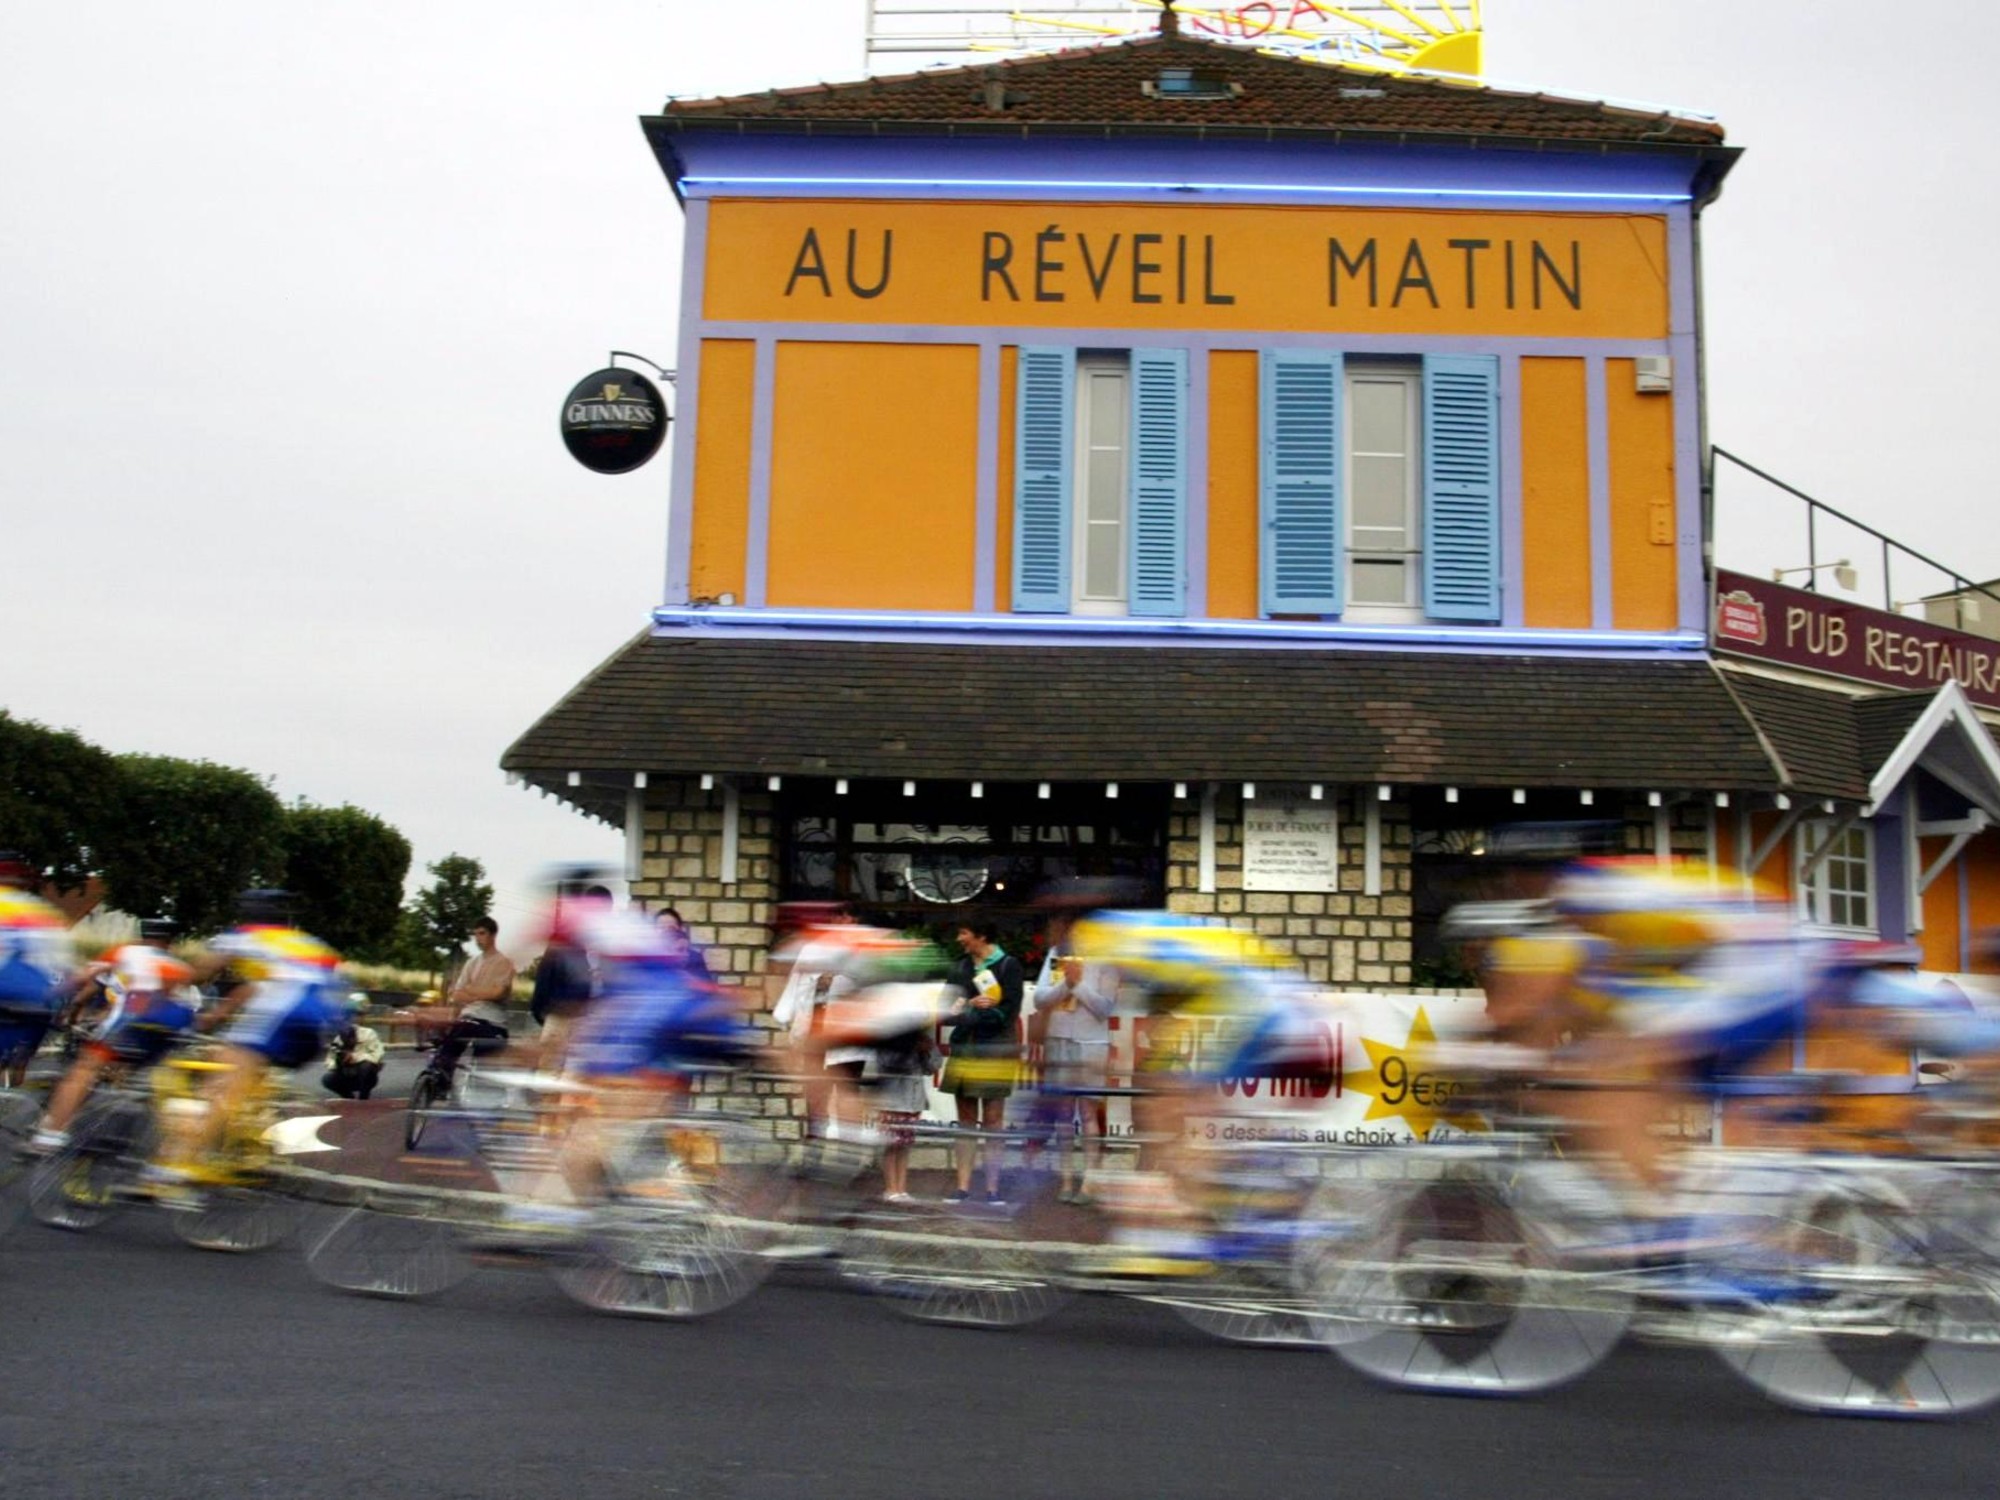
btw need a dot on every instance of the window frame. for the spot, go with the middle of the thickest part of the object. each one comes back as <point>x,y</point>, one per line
<point>1090,365</point>
<point>1409,375</point>
<point>1816,894</point>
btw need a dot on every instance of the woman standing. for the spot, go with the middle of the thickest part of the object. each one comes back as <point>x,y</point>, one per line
<point>985,1047</point>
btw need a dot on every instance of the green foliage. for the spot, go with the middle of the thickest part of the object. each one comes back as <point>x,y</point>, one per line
<point>440,917</point>
<point>186,837</point>
<point>57,791</point>
<point>347,869</point>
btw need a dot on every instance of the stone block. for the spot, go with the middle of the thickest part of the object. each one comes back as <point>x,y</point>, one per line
<point>1343,965</point>
<point>1311,946</point>
<point>1374,973</point>
<point>1264,903</point>
<point>686,868</point>
<point>1268,926</point>
<point>1368,951</point>
<point>1396,906</point>
<point>1228,902</point>
<point>1308,904</point>
<point>743,937</point>
<point>731,911</point>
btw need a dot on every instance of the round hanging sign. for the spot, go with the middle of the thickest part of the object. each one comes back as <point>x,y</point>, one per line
<point>613,421</point>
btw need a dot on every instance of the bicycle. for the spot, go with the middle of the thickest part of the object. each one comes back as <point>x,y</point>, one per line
<point>230,1205</point>
<point>443,1086</point>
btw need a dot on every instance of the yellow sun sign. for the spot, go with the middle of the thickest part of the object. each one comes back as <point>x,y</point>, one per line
<point>1399,1082</point>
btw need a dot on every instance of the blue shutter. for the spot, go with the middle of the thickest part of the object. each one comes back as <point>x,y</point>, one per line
<point>1044,419</point>
<point>1462,487</point>
<point>1299,482</point>
<point>1158,569</point>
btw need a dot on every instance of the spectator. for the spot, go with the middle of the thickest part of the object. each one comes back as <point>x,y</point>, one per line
<point>683,945</point>
<point>1077,998</point>
<point>985,1047</point>
<point>478,999</point>
<point>354,1062</point>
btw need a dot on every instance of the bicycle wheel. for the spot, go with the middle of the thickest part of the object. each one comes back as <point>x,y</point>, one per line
<point>239,1220</point>
<point>381,1254</point>
<point>681,1260</point>
<point>959,1270</point>
<point>85,1182</point>
<point>1873,1320</point>
<point>1471,1283</point>
<point>1247,1304</point>
<point>425,1094</point>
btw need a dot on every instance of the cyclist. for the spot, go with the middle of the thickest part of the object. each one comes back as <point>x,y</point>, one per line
<point>278,1005</point>
<point>1648,979</point>
<point>152,1002</point>
<point>651,1022</point>
<point>35,962</point>
<point>1218,1004</point>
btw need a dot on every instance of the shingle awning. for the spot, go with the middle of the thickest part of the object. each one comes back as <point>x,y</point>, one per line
<point>673,702</point>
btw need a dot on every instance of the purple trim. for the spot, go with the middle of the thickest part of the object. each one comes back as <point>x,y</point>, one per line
<point>1196,468</point>
<point>1248,340</point>
<point>687,405</point>
<point>1687,399</point>
<point>1891,874</point>
<point>1598,420</point>
<point>1056,166</point>
<point>1964,915</point>
<point>1153,630</point>
<point>1513,500</point>
<point>1178,193</point>
<point>756,542</point>
<point>986,501</point>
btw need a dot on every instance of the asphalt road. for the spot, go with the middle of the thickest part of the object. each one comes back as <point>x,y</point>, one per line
<point>132,1366</point>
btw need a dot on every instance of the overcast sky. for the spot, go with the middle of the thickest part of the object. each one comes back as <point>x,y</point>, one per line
<point>290,295</point>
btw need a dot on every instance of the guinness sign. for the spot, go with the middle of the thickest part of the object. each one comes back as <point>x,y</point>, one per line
<point>613,421</point>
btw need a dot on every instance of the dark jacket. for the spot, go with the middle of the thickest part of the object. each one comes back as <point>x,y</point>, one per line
<point>992,1028</point>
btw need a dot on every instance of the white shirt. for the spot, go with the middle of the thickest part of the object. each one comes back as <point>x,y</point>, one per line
<point>1086,1022</point>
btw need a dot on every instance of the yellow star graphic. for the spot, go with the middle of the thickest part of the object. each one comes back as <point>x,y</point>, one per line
<point>1398,1082</point>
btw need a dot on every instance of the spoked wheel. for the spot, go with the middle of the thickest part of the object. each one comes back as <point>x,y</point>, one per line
<point>1479,1283</point>
<point>89,1179</point>
<point>1884,1320</point>
<point>236,1219</point>
<point>383,1254</point>
<point>956,1269</point>
<point>1248,1304</point>
<point>681,1260</point>
<point>425,1095</point>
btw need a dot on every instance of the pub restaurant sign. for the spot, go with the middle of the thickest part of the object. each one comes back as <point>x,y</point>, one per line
<point>1796,628</point>
<point>613,421</point>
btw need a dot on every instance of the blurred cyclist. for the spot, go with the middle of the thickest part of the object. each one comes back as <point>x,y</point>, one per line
<point>152,1002</point>
<point>279,1003</point>
<point>35,961</point>
<point>1218,1004</point>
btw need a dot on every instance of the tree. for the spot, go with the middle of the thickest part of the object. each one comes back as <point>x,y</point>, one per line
<point>347,869</point>
<point>186,836</point>
<point>442,913</point>
<point>57,793</point>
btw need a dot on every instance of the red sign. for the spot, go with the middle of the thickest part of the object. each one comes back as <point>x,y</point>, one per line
<point>1771,622</point>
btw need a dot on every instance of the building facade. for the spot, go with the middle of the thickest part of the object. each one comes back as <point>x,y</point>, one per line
<point>1276,484</point>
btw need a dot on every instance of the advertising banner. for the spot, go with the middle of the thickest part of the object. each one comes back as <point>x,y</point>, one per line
<point>1771,622</point>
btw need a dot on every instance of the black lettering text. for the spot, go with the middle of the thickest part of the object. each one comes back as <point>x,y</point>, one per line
<point>1338,260</point>
<point>996,254</point>
<point>809,262</point>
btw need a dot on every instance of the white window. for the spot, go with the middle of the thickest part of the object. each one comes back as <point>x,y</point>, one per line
<point>1103,485</point>
<point>1384,484</point>
<point>1840,892</point>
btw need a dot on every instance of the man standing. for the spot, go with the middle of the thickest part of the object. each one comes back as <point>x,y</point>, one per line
<point>479,998</point>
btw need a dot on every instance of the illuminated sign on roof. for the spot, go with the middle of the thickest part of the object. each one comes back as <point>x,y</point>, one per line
<point>1432,36</point>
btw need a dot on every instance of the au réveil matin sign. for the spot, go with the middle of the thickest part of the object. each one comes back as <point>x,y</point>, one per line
<point>1796,628</point>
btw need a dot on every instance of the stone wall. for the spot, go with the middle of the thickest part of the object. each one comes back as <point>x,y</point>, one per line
<point>1343,938</point>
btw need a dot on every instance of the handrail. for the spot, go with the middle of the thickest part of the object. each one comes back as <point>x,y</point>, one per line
<point>1960,583</point>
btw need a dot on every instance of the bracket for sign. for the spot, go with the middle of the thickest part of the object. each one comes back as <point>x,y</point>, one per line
<point>671,377</point>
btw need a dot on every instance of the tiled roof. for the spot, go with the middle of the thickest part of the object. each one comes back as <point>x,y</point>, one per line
<point>1813,731</point>
<point>1882,722</point>
<point>677,702</point>
<point>1102,85</point>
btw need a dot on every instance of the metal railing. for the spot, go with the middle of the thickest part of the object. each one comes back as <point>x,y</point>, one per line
<point>1961,585</point>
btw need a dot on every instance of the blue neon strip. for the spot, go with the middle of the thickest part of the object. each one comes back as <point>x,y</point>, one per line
<point>1251,630</point>
<point>1328,190</point>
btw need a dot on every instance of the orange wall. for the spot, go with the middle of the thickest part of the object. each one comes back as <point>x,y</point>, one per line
<point>1233,532</point>
<point>1642,504</point>
<point>722,468</point>
<point>873,458</point>
<point>1940,934</point>
<point>1555,485</point>
<point>1982,868</point>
